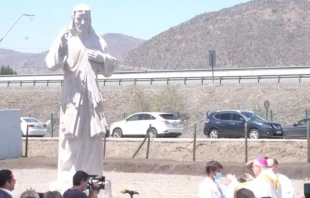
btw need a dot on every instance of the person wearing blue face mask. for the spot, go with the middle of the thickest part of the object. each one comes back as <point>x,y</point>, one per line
<point>217,175</point>
<point>210,188</point>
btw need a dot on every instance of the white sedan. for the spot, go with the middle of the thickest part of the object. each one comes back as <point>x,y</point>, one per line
<point>35,127</point>
<point>162,124</point>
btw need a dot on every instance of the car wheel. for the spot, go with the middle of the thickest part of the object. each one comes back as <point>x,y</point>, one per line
<point>153,133</point>
<point>117,133</point>
<point>214,134</point>
<point>254,134</point>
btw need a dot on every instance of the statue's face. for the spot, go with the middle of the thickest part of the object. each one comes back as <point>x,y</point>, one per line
<point>82,21</point>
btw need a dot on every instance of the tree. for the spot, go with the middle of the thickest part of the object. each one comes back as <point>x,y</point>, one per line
<point>7,70</point>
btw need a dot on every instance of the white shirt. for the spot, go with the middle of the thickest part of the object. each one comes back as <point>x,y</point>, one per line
<point>263,187</point>
<point>8,191</point>
<point>209,189</point>
<point>286,186</point>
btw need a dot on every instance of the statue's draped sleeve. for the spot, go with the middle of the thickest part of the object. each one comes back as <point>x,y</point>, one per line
<point>54,59</point>
<point>108,67</point>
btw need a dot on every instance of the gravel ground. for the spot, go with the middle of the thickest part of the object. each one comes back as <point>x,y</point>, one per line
<point>148,185</point>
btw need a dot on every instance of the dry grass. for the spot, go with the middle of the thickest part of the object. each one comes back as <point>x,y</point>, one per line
<point>288,101</point>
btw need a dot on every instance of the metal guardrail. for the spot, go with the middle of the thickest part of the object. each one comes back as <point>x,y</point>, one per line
<point>202,79</point>
<point>178,71</point>
<point>167,76</point>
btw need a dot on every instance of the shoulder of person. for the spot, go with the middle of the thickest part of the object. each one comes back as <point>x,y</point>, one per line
<point>4,194</point>
<point>74,193</point>
<point>283,177</point>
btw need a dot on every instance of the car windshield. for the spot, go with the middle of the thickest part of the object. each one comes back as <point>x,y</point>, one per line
<point>168,116</point>
<point>252,116</point>
<point>30,120</point>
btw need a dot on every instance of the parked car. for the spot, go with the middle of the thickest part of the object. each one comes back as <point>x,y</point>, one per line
<point>231,124</point>
<point>162,124</point>
<point>296,130</point>
<point>35,127</point>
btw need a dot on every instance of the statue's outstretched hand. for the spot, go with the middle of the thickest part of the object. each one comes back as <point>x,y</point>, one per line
<point>64,41</point>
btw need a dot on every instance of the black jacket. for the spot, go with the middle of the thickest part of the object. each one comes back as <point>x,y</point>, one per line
<point>4,194</point>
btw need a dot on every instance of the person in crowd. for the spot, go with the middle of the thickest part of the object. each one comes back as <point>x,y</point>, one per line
<point>29,194</point>
<point>52,194</point>
<point>80,180</point>
<point>244,193</point>
<point>265,182</point>
<point>286,184</point>
<point>7,183</point>
<point>209,188</point>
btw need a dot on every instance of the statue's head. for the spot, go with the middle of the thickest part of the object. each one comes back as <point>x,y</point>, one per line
<point>81,19</point>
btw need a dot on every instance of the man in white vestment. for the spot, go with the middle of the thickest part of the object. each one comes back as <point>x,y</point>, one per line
<point>286,184</point>
<point>266,183</point>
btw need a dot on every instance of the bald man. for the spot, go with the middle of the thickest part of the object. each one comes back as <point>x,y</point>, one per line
<point>265,183</point>
<point>286,184</point>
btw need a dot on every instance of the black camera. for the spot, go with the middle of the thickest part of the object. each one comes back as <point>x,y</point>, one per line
<point>96,182</point>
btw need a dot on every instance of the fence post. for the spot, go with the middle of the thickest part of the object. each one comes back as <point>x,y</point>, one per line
<point>105,144</point>
<point>194,145</point>
<point>134,155</point>
<point>52,124</point>
<point>148,142</point>
<point>26,144</point>
<point>246,141</point>
<point>308,141</point>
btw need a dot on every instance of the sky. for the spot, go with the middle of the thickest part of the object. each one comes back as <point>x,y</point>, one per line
<point>138,18</point>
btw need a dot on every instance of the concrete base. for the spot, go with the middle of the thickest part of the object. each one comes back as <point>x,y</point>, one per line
<point>10,134</point>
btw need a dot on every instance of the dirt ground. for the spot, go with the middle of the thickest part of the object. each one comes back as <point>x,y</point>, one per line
<point>222,150</point>
<point>170,167</point>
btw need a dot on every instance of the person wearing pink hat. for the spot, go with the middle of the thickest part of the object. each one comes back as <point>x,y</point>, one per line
<point>265,183</point>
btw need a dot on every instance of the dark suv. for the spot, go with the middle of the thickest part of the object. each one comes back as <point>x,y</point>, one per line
<point>231,123</point>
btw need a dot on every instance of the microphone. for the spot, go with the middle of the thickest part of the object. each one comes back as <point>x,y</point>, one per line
<point>131,192</point>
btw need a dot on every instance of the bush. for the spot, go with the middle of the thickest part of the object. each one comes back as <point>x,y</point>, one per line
<point>168,99</point>
<point>7,70</point>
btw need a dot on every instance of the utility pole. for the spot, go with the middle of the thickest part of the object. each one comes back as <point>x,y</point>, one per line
<point>212,61</point>
<point>27,15</point>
